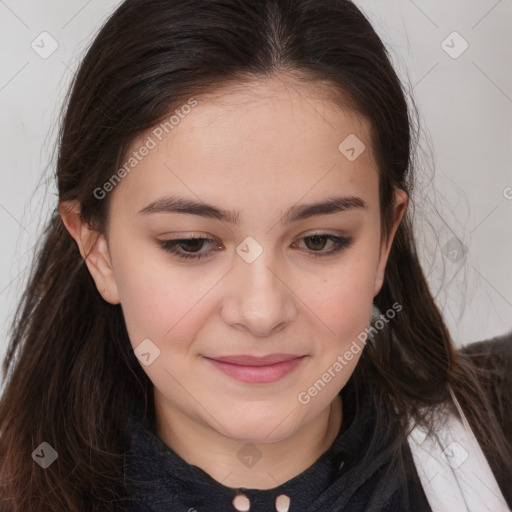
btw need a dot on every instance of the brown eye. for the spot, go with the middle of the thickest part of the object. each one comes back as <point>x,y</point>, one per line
<point>186,248</point>
<point>192,245</point>
<point>316,243</point>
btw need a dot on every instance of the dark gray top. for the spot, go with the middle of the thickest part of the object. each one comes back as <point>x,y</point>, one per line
<point>342,478</point>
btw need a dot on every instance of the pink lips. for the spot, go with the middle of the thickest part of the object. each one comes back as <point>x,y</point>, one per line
<point>254,369</point>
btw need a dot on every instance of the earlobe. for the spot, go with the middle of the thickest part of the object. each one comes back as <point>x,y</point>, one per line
<point>400,207</point>
<point>93,249</point>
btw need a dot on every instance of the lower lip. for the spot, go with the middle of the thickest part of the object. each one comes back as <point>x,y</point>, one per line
<point>257,374</point>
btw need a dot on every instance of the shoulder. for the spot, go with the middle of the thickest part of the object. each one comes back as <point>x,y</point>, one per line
<point>492,356</point>
<point>492,360</point>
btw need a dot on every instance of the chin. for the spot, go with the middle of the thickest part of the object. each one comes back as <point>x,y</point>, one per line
<point>258,430</point>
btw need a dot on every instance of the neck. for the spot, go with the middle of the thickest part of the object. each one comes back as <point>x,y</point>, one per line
<point>216,454</point>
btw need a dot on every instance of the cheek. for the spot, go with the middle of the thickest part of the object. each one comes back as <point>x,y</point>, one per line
<point>344,306</point>
<point>155,295</point>
<point>342,298</point>
<point>164,311</point>
<point>160,303</point>
<point>343,303</point>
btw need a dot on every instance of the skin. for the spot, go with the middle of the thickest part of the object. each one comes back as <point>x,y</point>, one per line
<point>258,149</point>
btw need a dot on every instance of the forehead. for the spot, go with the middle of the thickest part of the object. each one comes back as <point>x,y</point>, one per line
<point>259,110</point>
<point>270,137</point>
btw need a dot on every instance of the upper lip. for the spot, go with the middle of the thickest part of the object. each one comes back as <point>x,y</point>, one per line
<point>248,360</point>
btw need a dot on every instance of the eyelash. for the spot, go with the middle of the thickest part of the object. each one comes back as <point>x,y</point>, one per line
<point>170,246</point>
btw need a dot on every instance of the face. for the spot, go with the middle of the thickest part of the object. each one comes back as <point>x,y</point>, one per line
<point>256,272</point>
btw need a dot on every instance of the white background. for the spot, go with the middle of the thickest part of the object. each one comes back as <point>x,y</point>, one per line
<point>464,167</point>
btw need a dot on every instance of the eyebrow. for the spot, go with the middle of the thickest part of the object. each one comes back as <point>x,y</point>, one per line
<point>293,214</point>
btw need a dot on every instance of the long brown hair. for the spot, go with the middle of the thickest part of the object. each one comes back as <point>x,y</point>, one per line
<point>70,372</point>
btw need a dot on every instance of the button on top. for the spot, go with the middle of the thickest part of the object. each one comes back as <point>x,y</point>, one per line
<point>242,503</point>
<point>282,503</point>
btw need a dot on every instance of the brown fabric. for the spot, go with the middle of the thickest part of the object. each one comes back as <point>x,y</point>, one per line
<point>493,358</point>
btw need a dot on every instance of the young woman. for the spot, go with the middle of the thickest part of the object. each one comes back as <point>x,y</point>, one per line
<point>227,311</point>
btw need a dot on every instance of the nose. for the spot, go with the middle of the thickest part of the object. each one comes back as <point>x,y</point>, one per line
<point>259,299</point>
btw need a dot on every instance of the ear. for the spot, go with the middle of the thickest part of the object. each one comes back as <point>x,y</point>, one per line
<point>93,248</point>
<point>400,207</point>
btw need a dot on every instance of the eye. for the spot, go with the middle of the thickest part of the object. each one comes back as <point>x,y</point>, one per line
<point>317,242</point>
<point>173,246</point>
<point>189,248</point>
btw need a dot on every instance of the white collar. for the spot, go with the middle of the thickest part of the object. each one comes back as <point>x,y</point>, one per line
<point>452,468</point>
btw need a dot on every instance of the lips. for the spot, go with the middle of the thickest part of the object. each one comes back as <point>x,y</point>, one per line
<point>257,369</point>
<point>248,360</point>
